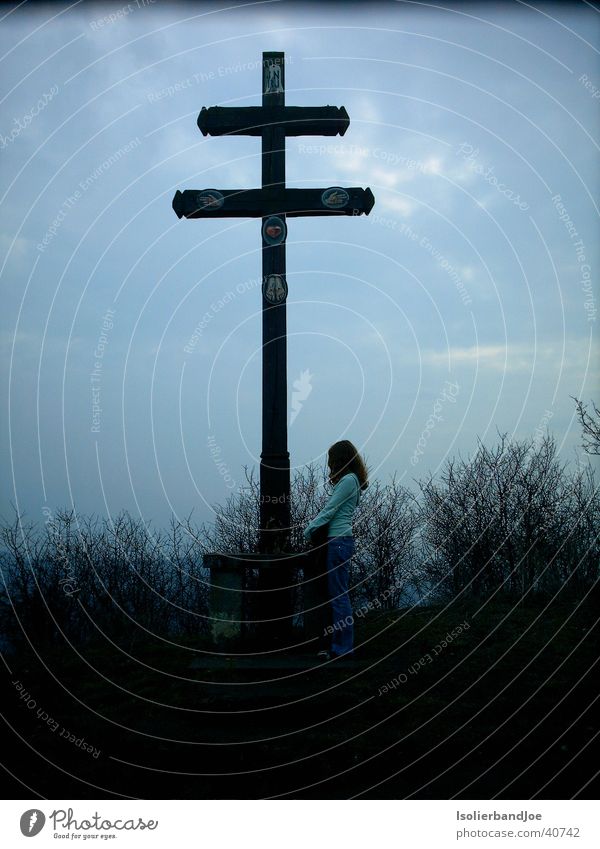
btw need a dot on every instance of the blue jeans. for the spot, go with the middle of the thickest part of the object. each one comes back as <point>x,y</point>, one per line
<point>339,554</point>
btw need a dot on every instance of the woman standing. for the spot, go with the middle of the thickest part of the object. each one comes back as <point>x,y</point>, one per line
<point>348,474</point>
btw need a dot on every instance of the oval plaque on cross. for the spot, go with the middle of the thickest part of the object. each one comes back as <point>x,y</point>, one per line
<point>275,288</point>
<point>274,230</point>
<point>210,200</point>
<point>335,197</point>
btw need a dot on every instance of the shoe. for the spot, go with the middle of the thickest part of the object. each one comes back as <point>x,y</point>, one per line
<point>323,655</point>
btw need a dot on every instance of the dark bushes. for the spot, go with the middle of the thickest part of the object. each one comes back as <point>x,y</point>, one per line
<point>80,577</point>
<point>511,520</point>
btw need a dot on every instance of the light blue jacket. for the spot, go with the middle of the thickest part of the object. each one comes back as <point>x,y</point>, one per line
<point>339,508</point>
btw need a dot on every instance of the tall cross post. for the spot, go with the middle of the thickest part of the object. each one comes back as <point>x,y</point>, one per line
<point>273,203</point>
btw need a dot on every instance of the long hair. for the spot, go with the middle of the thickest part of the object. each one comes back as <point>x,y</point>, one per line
<point>343,458</point>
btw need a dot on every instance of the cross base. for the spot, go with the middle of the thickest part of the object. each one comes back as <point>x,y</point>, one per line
<point>254,599</point>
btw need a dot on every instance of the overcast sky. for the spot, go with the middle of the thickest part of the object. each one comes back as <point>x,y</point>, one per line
<point>465,304</point>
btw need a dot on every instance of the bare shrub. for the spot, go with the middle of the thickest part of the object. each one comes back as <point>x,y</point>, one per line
<point>77,578</point>
<point>508,520</point>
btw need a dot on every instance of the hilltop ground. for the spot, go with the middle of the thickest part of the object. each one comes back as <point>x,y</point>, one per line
<point>504,709</point>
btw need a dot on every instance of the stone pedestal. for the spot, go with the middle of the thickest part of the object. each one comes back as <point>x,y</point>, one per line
<point>253,599</point>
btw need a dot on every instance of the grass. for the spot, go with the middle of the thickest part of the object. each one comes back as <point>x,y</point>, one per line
<point>505,709</point>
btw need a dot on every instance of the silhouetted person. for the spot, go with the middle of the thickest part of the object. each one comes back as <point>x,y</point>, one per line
<point>348,474</point>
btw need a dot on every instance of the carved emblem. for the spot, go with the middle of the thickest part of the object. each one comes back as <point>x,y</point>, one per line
<point>335,198</point>
<point>210,199</point>
<point>274,230</point>
<point>273,78</point>
<point>275,288</point>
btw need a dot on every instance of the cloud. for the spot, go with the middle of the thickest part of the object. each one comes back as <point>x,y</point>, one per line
<point>577,356</point>
<point>13,248</point>
<point>513,358</point>
<point>396,203</point>
<point>486,355</point>
<point>364,110</point>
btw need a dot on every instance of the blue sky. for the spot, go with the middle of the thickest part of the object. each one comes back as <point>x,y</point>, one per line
<point>465,304</point>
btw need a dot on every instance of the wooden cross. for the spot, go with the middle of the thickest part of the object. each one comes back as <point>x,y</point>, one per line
<point>274,203</point>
